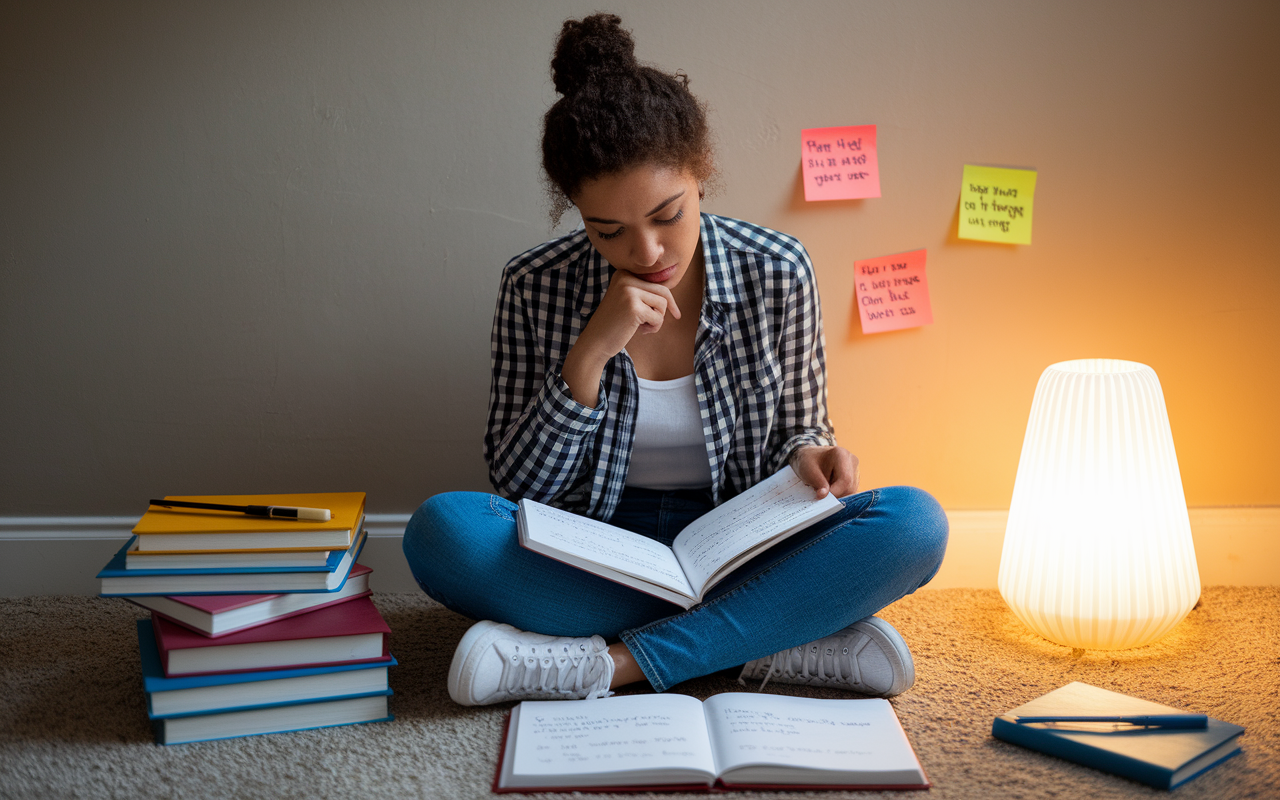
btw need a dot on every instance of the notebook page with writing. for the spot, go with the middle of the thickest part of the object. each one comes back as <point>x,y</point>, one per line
<point>775,739</point>
<point>600,543</point>
<point>621,741</point>
<point>721,539</point>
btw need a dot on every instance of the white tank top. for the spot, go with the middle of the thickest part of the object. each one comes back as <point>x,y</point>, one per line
<point>670,449</point>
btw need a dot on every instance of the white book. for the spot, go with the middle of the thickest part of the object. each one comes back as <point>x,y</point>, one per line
<point>703,554</point>
<point>733,740</point>
<point>217,615</point>
<point>281,559</point>
<point>117,581</point>
<point>278,719</point>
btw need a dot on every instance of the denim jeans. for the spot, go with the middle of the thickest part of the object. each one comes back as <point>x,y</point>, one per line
<point>884,544</point>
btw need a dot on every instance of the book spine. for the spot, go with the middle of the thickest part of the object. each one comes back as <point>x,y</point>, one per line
<point>1048,742</point>
<point>209,712</point>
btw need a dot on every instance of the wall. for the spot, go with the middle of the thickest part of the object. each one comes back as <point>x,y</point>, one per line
<point>254,247</point>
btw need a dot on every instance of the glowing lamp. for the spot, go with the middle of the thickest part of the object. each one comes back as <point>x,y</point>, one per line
<point>1098,552</point>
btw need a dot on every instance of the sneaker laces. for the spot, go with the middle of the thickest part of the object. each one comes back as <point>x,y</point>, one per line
<point>833,659</point>
<point>575,668</point>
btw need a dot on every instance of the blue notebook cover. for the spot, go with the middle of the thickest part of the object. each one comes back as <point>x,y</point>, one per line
<point>154,680</point>
<point>120,582</point>
<point>1162,758</point>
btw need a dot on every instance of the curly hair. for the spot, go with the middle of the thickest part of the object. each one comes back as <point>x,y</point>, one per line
<point>615,113</point>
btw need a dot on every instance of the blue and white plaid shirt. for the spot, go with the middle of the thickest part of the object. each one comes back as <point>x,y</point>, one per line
<point>761,376</point>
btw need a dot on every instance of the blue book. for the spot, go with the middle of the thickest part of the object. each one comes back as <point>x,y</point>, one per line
<point>1161,757</point>
<point>117,581</point>
<point>238,691</point>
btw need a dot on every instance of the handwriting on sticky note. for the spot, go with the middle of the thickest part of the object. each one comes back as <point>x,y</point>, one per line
<point>995,204</point>
<point>839,163</point>
<point>892,292</point>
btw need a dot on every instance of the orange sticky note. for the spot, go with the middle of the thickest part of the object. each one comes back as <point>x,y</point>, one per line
<point>839,163</point>
<point>892,292</point>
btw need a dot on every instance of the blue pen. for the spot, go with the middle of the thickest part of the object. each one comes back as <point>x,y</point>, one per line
<point>1140,720</point>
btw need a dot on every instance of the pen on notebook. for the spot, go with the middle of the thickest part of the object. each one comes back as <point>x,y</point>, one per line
<point>281,512</point>
<point>1140,720</point>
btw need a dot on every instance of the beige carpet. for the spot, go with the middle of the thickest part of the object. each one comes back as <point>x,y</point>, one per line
<point>72,719</point>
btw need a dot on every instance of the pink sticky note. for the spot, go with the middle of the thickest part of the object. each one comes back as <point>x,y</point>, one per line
<point>892,292</point>
<point>840,163</point>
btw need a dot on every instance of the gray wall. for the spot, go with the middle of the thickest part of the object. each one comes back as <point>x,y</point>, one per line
<point>254,247</point>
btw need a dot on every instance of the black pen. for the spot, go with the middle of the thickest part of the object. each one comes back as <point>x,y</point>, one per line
<point>279,512</point>
<point>1139,720</point>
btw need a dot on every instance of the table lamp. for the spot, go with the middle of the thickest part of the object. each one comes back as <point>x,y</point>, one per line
<point>1097,551</point>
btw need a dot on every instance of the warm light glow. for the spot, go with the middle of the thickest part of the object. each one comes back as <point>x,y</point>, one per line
<point>1098,552</point>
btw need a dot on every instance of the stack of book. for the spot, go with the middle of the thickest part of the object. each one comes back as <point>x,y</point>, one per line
<point>258,625</point>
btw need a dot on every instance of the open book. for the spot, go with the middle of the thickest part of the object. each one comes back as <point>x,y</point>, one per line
<point>705,552</point>
<point>739,741</point>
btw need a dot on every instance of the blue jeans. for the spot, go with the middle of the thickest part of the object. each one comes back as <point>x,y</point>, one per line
<point>884,544</point>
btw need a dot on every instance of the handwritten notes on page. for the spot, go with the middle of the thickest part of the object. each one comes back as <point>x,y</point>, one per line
<point>574,536</point>
<point>721,539</point>
<point>996,203</point>
<point>840,163</point>
<point>892,292</point>
<point>620,737</point>
<point>850,741</point>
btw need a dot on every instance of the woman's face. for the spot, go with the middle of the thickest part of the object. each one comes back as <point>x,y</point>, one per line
<point>645,220</point>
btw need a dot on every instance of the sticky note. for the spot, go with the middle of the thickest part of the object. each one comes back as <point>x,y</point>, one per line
<point>995,204</point>
<point>839,163</point>
<point>892,292</point>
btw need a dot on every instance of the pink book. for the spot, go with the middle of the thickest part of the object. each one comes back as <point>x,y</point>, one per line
<point>345,633</point>
<point>220,614</point>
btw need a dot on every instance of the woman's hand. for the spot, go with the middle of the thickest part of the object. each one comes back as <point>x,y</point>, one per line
<point>630,306</point>
<point>830,469</point>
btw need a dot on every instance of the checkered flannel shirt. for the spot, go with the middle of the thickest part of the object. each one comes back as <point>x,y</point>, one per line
<point>760,371</point>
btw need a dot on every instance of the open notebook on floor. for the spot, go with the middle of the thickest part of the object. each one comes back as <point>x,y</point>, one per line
<point>732,741</point>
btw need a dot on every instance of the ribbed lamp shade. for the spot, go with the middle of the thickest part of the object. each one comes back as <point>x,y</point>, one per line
<point>1098,552</point>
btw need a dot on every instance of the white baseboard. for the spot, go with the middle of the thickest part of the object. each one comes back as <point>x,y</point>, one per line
<point>61,555</point>
<point>1235,546</point>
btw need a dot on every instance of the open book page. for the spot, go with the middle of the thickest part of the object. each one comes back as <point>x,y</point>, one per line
<point>577,539</point>
<point>617,741</point>
<point>774,739</point>
<point>720,540</point>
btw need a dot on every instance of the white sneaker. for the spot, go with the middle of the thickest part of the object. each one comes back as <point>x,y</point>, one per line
<point>868,657</point>
<point>496,662</point>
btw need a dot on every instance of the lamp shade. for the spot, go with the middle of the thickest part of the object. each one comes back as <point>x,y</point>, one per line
<point>1098,552</point>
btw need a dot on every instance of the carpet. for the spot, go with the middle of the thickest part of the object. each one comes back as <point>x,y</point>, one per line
<point>73,720</point>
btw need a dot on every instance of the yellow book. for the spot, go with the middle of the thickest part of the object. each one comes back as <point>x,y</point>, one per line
<point>188,530</point>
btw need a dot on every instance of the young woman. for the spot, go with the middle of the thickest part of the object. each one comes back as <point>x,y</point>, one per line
<point>647,367</point>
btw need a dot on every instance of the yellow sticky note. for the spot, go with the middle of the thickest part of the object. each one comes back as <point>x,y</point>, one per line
<point>995,204</point>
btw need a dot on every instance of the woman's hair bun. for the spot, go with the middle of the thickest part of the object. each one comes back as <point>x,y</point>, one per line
<point>589,49</point>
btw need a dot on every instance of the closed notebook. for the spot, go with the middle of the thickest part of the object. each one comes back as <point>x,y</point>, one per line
<point>231,559</point>
<point>1163,758</point>
<point>252,561</point>
<point>238,691</point>
<point>220,614</point>
<point>340,634</point>
<point>174,529</point>
<point>116,581</point>
<point>277,719</point>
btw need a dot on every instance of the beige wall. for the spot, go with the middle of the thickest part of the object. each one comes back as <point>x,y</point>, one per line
<point>254,246</point>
